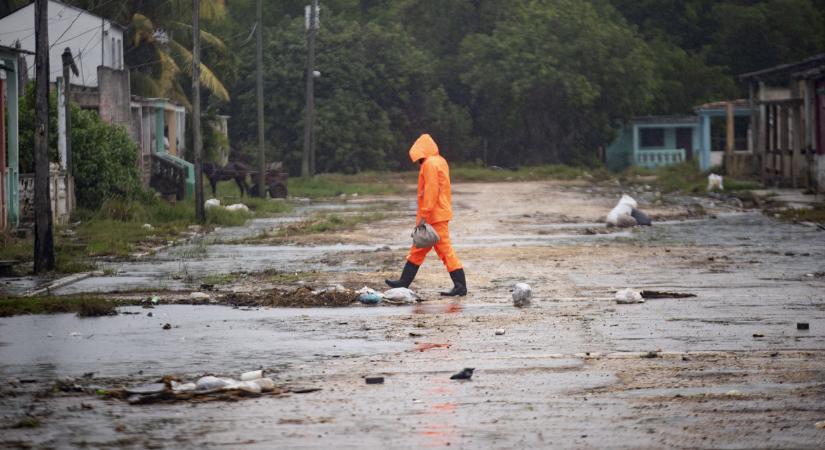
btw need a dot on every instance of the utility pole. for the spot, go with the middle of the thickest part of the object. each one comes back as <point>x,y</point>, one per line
<point>197,138</point>
<point>259,95</point>
<point>307,166</point>
<point>43,232</point>
<point>68,64</point>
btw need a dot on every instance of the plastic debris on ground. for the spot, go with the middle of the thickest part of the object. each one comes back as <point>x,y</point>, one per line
<point>641,218</point>
<point>628,295</point>
<point>499,331</point>
<point>465,374</point>
<point>206,388</point>
<point>238,207</point>
<point>400,296</point>
<point>212,203</point>
<point>715,182</point>
<point>199,296</point>
<point>620,215</point>
<point>522,293</point>
<point>148,226</point>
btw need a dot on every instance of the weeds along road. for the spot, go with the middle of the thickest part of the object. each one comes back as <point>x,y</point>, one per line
<point>725,369</point>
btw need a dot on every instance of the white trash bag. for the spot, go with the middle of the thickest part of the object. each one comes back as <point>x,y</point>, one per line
<point>424,235</point>
<point>400,295</point>
<point>212,203</point>
<point>715,182</point>
<point>626,296</point>
<point>521,295</point>
<point>623,208</point>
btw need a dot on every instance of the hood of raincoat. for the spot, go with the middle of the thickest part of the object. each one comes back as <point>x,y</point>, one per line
<point>424,147</point>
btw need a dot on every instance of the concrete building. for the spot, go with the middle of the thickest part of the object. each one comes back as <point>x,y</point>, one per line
<point>93,40</point>
<point>654,141</point>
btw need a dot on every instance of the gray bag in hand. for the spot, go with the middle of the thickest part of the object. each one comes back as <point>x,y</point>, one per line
<point>424,236</point>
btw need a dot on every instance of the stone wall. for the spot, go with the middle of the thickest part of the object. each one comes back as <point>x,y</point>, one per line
<point>115,96</point>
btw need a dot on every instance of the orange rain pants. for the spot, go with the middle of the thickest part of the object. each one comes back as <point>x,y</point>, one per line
<point>444,249</point>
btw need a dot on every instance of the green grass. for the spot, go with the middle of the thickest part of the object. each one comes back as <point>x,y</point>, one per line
<point>530,173</point>
<point>365,183</point>
<point>804,214</point>
<point>685,177</point>
<point>228,193</point>
<point>84,306</point>
<point>325,223</point>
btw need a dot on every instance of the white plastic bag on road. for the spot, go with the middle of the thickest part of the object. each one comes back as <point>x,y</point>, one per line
<point>521,295</point>
<point>715,182</point>
<point>625,296</point>
<point>212,203</point>
<point>238,207</point>
<point>623,208</point>
<point>400,295</point>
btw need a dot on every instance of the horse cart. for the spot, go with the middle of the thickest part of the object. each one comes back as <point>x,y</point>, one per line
<point>275,180</point>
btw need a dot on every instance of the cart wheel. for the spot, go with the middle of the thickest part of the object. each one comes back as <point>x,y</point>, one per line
<point>277,191</point>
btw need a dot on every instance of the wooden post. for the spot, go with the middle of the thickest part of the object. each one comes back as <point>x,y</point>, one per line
<point>197,138</point>
<point>259,96</point>
<point>3,223</point>
<point>43,232</point>
<point>730,136</point>
<point>784,166</point>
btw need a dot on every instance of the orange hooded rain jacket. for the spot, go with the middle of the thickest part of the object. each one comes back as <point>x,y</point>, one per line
<point>434,196</point>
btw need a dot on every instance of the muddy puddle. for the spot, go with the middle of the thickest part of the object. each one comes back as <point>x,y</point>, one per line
<point>202,339</point>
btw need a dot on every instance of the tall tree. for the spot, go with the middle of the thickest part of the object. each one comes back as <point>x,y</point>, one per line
<point>43,232</point>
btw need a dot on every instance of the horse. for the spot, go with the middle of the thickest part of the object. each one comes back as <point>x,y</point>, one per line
<point>233,170</point>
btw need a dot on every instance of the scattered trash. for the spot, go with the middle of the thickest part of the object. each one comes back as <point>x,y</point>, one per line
<point>499,331</point>
<point>424,236</point>
<point>820,425</point>
<point>522,292</point>
<point>146,389</point>
<point>733,393</point>
<point>238,207</point>
<point>374,380</point>
<point>210,383</point>
<point>640,217</point>
<point>167,326</point>
<point>665,294</point>
<point>400,296</point>
<point>212,203</point>
<point>183,387</point>
<point>424,346</point>
<point>148,226</point>
<point>465,374</point>
<point>155,299</point>
<point>627,296</point>
<point>199,296</point>
<point>803,326</point>
<point>253,375</point>
<point>758,335</point>
<point>620,215</point>
<point>715,183</point>
<point>369,299</point>
<point>651,355</point>
<point>149,314</point>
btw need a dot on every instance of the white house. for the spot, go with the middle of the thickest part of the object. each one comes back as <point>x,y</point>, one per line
<point>93,40</point>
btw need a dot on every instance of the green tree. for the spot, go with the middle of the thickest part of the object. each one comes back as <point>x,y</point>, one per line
<point>554,79</point>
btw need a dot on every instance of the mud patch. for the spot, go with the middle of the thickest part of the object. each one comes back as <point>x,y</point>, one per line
<point>301,297</point>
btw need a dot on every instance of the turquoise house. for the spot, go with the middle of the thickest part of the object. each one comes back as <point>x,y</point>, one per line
<point>655,141</point>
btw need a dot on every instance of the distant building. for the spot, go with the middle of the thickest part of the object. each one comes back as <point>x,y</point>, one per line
<point>789,123</point>
<point>654,141</point>
<point>93,40</point>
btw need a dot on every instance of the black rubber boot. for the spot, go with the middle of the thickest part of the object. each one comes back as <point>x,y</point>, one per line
<point>459,284</point>
<point>407,276</point>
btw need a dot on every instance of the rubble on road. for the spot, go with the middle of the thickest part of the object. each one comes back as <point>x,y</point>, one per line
<point>206,388</point>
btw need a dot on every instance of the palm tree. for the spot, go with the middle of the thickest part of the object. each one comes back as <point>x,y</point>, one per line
<point>157,49</point>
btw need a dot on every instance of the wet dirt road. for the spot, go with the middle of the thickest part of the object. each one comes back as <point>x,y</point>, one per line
<point>728,368</point>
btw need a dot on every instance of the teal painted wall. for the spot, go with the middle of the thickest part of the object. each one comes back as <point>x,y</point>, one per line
<point>619,154</point>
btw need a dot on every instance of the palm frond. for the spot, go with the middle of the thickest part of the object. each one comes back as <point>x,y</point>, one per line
<point>144,29</point>
<point>207,77</point>
<point>144,85</point>
<point>206,36</point>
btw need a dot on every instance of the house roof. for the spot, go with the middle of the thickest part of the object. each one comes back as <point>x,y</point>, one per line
<point>738,103</point>
<point>3,48</point>
<point>666,119</point>
<point>784,69</point>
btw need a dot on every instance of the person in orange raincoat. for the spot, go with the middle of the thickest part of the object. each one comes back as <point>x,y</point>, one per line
<point>435,208</point>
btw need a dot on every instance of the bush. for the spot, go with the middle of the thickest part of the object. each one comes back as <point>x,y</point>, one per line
<point>104,156</point>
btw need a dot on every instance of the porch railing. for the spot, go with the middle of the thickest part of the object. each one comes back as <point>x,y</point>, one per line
<point>659,157</point>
